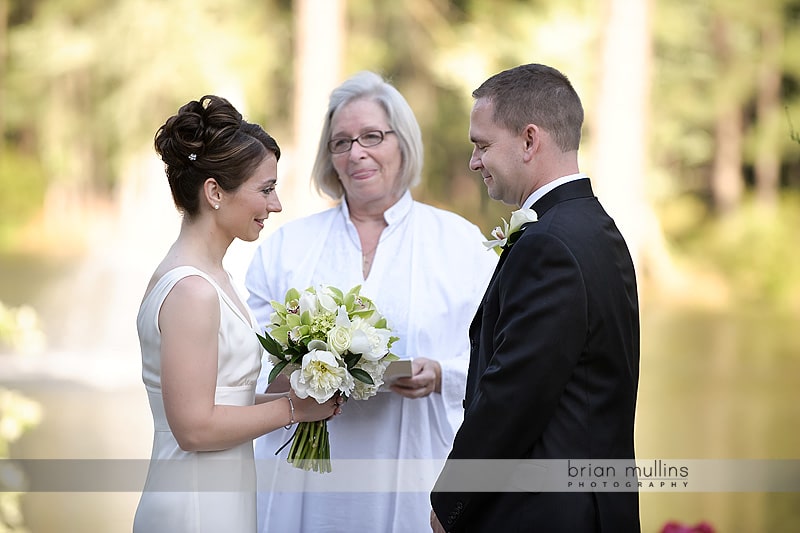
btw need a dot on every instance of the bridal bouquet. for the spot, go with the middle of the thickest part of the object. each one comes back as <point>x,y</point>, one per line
<point>326,342</point>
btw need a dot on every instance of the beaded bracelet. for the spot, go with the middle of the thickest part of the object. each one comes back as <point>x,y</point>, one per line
<point>291,407</point>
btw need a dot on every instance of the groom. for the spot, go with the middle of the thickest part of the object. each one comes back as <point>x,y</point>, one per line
<point>554,364</point>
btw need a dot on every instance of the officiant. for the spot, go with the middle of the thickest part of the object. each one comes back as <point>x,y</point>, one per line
<point>426,270</point>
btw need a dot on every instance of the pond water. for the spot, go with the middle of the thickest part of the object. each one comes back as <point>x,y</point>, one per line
<point>719,385</point>
<point>714,385</point>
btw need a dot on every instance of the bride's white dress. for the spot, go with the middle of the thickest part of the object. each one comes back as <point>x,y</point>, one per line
<point>199,492</point>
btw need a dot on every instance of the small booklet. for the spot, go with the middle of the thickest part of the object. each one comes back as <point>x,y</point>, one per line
<point>400,368</point>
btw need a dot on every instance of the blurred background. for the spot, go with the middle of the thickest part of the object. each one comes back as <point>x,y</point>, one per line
<point>692,140</point>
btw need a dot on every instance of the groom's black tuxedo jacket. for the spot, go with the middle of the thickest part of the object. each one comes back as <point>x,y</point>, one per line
<point>554,369</point>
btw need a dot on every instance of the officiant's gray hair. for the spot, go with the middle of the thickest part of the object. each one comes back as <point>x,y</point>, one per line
<point>368,85</point>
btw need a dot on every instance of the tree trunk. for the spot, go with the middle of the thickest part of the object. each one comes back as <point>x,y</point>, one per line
<point>726,175</point>
<point>319,31</point>
<point>619,134</point>
<point>3,63</point>
<point>768,114</point>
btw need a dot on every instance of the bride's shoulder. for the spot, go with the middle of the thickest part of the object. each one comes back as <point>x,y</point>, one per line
<point>178,275</point>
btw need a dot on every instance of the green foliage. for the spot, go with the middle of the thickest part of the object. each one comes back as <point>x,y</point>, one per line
<point>91,81</point>
<point>20,330</point>
<point>17,414</point>
<point>693,81</point>
<point>87,82</point>
<point>756,249</point>
<point>24,182</point>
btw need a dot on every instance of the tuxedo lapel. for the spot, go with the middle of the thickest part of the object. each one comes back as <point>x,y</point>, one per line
<point>574,189</point>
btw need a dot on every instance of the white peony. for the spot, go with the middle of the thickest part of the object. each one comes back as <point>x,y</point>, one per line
<point>320,375</point>
<point>375,369</point>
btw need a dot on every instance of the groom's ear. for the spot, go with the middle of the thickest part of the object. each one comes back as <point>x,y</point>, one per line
<point>531,138</point>
<point>212,192</point>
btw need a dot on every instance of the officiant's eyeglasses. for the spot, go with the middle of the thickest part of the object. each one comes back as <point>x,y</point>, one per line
<point>366,139</point>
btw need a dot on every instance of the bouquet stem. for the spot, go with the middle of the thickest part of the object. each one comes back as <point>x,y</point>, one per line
<point>311,448</point>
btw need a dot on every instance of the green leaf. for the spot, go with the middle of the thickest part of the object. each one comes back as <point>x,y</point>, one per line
<point>270,345</point>
<point>362,375</point>
<point>351,359</point>
<point>276,370</point>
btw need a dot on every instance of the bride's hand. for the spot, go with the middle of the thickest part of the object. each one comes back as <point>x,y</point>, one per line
<point>308,410</point>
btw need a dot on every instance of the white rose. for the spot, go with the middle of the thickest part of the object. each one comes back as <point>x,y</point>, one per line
<point>339,340</point>
<point>339,336</point>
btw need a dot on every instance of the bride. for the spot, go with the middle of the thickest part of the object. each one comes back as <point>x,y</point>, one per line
<point>200,353</point>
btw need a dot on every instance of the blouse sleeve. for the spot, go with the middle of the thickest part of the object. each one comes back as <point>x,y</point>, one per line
<point>459,279</point>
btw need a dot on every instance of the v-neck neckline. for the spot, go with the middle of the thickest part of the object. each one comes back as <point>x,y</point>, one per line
<point>245,317</point>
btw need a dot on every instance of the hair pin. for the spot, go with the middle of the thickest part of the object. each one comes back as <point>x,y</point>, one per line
<point>192,156</point>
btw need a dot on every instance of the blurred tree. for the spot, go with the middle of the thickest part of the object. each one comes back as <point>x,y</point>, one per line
<point>437,52</point>
<point>768,106</point>
<point>723,73</point>
<point>3,63</point>
<point>90,81</point>
<point>618,120</point>
<point>727,180</point>
<point>319,40</point>
<point>84,83</point>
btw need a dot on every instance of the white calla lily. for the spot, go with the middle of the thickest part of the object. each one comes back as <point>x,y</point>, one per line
<point>520,217</point>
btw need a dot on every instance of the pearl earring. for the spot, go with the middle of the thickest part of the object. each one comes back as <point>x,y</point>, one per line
<point>216,206</point>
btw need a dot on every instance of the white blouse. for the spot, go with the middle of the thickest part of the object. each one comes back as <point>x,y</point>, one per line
<point>428,276</point>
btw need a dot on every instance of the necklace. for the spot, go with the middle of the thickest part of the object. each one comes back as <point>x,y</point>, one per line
<point>366,259</point>
<point>368,256</point>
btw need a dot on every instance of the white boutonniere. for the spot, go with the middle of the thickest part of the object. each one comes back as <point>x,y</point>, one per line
<point>505,236</point>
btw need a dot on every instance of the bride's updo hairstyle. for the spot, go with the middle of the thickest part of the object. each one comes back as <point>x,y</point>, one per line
<point>208,138</point>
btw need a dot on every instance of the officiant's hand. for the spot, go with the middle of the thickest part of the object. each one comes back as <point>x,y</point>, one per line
<point>426,377</point>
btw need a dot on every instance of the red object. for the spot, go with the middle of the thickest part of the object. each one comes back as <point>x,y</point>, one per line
<point>677,527</point>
